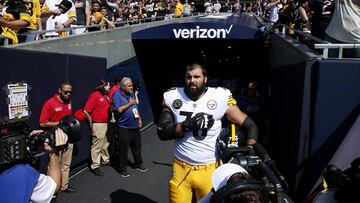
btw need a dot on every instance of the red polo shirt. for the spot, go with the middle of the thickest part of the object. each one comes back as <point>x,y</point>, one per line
<point>112,91</point>
<point>54,110</point>
<point>98,107</point>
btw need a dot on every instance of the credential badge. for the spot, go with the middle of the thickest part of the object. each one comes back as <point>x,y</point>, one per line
<point>212,104</point>
<point>177,104</point>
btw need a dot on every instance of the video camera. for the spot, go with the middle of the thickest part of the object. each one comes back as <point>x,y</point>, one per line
<point>16,144</point>
<point>258,164</point>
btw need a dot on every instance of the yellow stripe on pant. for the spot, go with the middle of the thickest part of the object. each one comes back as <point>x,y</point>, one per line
<point>187,179</point>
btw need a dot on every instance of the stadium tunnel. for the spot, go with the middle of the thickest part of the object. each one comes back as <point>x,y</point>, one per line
<point>226,45</point>
<point>290,74</point>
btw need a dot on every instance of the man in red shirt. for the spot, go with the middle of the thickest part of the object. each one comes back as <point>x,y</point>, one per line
<point>97,113</point>
<point>112,132</point>
<point>53,110</point>
<point>116,87</point>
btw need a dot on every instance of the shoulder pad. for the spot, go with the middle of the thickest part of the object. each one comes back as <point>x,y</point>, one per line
<point>173,88</point>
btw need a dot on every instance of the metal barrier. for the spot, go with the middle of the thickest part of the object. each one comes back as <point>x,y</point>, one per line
<point>318,43</point>
<point>341,47</point>
<point>117,25</point>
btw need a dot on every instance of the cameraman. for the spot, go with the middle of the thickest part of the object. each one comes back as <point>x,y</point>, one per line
<point>22,183</point>
<point>230,173</point>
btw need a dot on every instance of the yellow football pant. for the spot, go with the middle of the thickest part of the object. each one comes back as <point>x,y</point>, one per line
<point>188,179</point>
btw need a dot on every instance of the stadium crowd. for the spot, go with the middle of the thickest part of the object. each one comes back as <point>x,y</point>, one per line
<point>21,18</point>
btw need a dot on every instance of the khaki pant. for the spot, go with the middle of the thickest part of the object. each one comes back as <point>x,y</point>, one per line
<point>99,145</point>
<point>65,162</point>
<point>188,179</point>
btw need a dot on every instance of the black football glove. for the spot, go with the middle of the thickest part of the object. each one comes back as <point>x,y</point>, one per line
<point>199,121</point>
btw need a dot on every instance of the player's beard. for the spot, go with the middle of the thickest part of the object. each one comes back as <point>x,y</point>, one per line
<point>194,94</point>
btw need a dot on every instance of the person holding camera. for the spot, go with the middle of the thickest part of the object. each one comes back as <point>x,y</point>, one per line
<point>192,116</point>
<point>22,183</point>
<point>228,174</point>
<point>61,15</point>
<point>97,113</point>
<point>53,110</point>
<point>129,122</point>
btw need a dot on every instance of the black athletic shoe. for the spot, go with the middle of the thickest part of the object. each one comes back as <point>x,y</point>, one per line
<point>141,168</point>
<point>124,174</point>
<point>70,190</point>
<point>106,164</point>
<point>96,172</point>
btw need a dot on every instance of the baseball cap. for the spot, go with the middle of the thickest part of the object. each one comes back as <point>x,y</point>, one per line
<point>222,174</point>
<point>65,5</point>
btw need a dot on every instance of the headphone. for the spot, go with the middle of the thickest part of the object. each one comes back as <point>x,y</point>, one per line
<point>237,186</point>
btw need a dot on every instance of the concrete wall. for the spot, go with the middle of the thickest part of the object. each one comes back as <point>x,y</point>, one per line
<point>114,45</point>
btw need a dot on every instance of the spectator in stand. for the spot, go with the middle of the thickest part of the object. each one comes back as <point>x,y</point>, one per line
<point>53,110</point>
<point>273,12</point>
<point>149,8</point>
<point>237,7</point>
<point>345,27</point>
<point>301,17</point>
<point>107,14</point>
<point>82,16</point>
<point>95,6</point>
<point>102,23</point>
<point>228,7</point>
<point>137,14</point>
<point>159,10</point>
<point>187,9</point>
<point>61,14</point>
<point>179,8</point>
<point>209,7</point>
<point>97,109</point>
<point>16,17</point>
<point>193,7</point>
<point>217,7</point>
<point>323,11</point>
<point>96,19</point>
<point>120,17</point>
<point>129,122</point>
<point>35,25</point>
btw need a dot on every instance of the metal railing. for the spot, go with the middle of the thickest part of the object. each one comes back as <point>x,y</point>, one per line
<point>118,24</point>
<point>317,43</point>
<point>340,47</point>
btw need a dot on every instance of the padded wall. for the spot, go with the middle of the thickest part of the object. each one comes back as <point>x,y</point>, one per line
<point>43,72</point>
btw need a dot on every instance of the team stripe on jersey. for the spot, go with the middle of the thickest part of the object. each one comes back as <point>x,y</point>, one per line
<point>231,101</point>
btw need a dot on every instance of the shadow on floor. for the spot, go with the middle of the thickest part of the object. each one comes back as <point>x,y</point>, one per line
<point>125,196</point>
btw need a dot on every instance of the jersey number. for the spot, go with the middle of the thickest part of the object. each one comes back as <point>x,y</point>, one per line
<point>195,132</point>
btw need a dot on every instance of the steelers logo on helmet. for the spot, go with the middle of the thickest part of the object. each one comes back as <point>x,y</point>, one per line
<point>212,104</point>
<point>177,104</point>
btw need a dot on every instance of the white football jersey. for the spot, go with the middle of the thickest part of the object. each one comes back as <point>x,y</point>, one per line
<point>190,148</point>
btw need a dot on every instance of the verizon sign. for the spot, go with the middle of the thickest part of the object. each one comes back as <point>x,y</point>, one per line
<point>201,33</point>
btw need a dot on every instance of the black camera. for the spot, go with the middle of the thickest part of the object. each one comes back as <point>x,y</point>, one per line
<point>231,147</point>
<point>16,143</point>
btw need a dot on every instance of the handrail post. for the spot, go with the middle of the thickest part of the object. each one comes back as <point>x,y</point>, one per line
<point>325,53</point>
<point>341,52</point>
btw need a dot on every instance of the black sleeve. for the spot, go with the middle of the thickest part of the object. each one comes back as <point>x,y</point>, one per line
<point>251,129</point>
<point>166,129</point>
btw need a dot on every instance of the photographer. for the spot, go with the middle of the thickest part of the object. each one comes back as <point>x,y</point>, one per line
<point>22,183</point>
<point>230,173</point>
